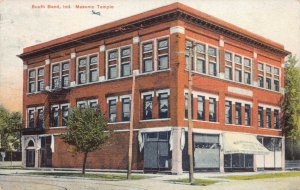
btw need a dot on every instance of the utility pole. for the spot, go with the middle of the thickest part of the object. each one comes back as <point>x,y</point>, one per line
<point>131,128</point>
<point>190,122</point>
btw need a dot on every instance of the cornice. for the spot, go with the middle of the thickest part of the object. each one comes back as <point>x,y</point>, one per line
<point>174,14</point>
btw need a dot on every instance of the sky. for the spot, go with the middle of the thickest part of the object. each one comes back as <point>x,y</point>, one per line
<point>21,26</point>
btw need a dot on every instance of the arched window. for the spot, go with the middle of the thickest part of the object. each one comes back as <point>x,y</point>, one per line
<point>30,143</point>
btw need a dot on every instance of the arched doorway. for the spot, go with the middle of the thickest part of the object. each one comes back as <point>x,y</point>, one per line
<point>30,154</point>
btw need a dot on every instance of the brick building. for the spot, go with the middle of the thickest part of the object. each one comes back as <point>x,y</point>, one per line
<point>237,87</point>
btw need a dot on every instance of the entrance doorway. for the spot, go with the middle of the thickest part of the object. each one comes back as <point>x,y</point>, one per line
<point>157,156</point>
<point>30,154</point>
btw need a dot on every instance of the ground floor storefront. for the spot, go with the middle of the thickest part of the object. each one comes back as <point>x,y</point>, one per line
<point>162,149</point>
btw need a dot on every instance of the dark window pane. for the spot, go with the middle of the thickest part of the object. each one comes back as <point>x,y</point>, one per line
<point>163,105</point>
<point>201,108</point>
<point>125,109</point>
<point>112,110</point>
<point>125,69</point>
<point>201,65</point>
<point>228,112</point>
<point>147,107</point>
<point>212,109</point>
<point>112,72</point>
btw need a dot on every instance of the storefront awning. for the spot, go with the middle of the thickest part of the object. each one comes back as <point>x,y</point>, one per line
<point>236,143</point>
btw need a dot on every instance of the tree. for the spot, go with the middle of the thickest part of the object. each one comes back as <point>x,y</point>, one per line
<point>87,131</point>
<point>290,119</point>
<point>10,126</point>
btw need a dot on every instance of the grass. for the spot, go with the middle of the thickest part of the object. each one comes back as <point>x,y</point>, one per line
<point>201,182</point>
<point>90,175</point>
<point>264,176</point>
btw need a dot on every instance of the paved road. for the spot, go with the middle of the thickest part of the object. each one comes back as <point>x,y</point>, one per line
<point>17,182</point>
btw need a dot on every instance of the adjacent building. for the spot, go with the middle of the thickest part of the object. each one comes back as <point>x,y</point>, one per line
<point>238,82</point>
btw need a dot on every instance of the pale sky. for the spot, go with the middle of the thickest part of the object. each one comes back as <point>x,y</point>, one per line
<point>22,26</point>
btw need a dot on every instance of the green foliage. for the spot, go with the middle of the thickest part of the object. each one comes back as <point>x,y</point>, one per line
<point>87,131</point>
<point>290,119</point>
<point>10,126</point>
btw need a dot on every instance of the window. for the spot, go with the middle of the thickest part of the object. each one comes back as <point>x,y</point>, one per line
<point>126,109</point>
<point>260,117</point>
<point>54,116</point>
<point>30,118</point>
<point>228,112</point>
<point>201,65</point>
<point>268,119</point>
<point>247,78</point>
<point>65,74</point>
<point>269,69</point>
<point>238,75</point>
<point>112,110</point>
<point>40,118</point>
<point>163,100</point>
<point>147,49</point>
<point>40,82</point>
<point>212,51</point>
<point>238,59</point>
<point>228,73</point>
<point>247,62</point>
<point>93,104</point>
<point>247,115</point>
<point>31,81</point>
<point>65,114</point>
<point>112,64</point>
<point>125,62</point>
<point>276,71</point>
<point>212,69</point>
<point>93,68</point>
<point>56,76</point>
<point>188,58</point>
<point>201,58</point>
<point>238,113</point>
<point>260,81</point>
<point>260,67</point>
<point>268,83</point>
<point>212,110</point>
<point>276,119</point>
<point>228,56</point>
<point>201,108</point>
<point>163,54</point>
<point>147,107</point>
<point>276,85</point>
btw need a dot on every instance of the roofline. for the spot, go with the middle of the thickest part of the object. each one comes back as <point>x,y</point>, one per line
<point>151,13</point>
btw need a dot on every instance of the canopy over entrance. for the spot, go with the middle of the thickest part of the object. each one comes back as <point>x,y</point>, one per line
<point>235,143</point>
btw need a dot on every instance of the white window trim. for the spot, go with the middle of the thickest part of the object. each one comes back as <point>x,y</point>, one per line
<point>163,91</point>
<point>205,94</point>
<point>243,102</point>
<point>112,98</point>
<point>265,106</point>
<point>147,93</point>
<point>125,96</point>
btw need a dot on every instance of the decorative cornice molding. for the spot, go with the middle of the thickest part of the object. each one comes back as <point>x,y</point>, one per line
<point>176,14</point>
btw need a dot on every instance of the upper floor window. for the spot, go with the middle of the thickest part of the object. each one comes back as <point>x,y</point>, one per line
<point>237,59</point>
<point>276,85</point>
<point>228,112</point>
<point>269,69</point>
<point>228,56</point>
<point>201,58</point>
<point>31,118</point>
<point>147,107</point>
<point>238,75</point>
<point>276,71</point>
<point>260,81</point>
<point>268,119</point>
<point>247,115</point>
<point>201,108</point>
<point>276,119</point>
<point>40,82</point>
<point>125,61</point>
<point>126,109</point>
<point>65,114</point>
<point>163,101</point>
<point>148,57</point>
<point>260,67</point>
<point>112,104</point>
<point>65,74</point>
<point>60,75</point>
<point>247,62</point>
<point>268,83</point>
<point>247,77</point>
<point>212,110</point>
<point>56,83</point>
<point>92,103</point>
<point>260,117</point>
<point>212,56</point>
<point>55,116</point>
<point>40,112</point>
<point>31,81</point>
<point>163,54</point>
<point>238,113</point>
<point>228,73</point>
<point>87,69</point>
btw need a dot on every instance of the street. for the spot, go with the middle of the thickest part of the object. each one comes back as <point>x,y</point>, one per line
<point>26,182</point>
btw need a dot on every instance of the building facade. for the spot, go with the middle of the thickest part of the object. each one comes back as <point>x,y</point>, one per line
<point>237,86</point>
